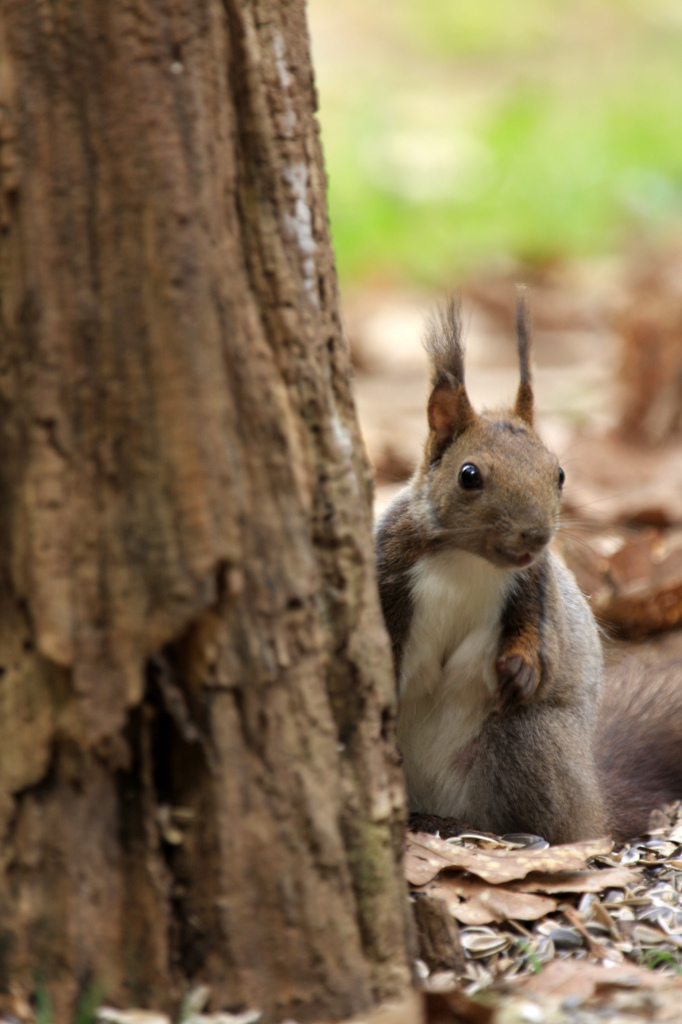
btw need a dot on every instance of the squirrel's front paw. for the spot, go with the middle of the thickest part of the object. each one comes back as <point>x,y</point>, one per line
<point>518,680</point>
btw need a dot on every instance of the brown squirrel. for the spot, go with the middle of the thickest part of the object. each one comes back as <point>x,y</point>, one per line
<point>506,719</point>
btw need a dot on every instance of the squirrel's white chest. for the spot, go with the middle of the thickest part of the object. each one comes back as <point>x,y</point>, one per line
<point>447,684</point>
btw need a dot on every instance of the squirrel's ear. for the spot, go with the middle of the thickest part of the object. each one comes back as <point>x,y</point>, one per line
<point>449,409</point>
<point>523,407</point>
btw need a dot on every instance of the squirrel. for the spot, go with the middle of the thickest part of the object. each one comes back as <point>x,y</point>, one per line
<point>506,718</point>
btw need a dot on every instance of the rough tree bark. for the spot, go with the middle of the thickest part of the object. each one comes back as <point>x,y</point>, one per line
<point>197,778</point>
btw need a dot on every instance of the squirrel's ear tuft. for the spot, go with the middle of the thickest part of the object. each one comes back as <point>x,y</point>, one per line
<point>449,409</point>
<point>523,407</point>
<point>443,342</point>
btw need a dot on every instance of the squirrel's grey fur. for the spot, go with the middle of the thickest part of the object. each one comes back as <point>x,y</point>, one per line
<point>498,656</point>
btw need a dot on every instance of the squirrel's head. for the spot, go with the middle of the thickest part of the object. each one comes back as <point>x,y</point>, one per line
<point>490,485</point>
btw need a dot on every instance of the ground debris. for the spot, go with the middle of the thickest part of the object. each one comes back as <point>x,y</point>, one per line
<point>631,573</point>
<point>427,855</point>
<point>438,934</point>
<point>111,1015</point>
<point>617,945</point>
<point>188,1015</point>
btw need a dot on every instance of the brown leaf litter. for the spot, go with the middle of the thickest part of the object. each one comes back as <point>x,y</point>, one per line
<point>554,933</point>
<point>426,855</point>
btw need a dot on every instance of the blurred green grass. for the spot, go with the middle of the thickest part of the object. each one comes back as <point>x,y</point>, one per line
<point>462,132</point>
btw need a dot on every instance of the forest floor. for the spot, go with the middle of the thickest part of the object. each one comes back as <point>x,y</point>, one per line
<point>603,940</point>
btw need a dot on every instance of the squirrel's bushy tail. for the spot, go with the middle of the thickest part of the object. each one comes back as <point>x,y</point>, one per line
<point>639,741</point>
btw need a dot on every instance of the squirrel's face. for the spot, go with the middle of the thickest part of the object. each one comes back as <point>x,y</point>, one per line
<point>495,492</point>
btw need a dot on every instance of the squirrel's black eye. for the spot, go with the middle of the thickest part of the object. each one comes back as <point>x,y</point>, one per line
<point>562,477</point>
<point>470,477</point>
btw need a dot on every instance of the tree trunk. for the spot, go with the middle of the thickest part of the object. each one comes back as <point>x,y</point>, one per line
<point>197,776</point>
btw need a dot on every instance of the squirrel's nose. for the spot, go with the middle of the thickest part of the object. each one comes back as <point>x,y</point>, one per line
<point>535,537</point>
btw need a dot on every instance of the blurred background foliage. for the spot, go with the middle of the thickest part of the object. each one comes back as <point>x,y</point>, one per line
<point>460,134</point>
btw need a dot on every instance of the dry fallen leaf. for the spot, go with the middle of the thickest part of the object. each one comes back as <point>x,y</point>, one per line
<point>637,609</point>
<point>474,902</point>
<point>576,881</point>
<point>635,580</point>
<point>564,978</point>
<point>427,855</point>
